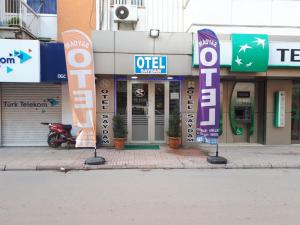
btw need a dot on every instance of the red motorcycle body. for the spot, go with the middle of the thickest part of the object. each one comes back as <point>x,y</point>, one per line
<point>59,133</point>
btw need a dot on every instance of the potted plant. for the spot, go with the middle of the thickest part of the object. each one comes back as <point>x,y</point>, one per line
<point>174,129</point>
<point>14,21</point>
<point>120,131</point>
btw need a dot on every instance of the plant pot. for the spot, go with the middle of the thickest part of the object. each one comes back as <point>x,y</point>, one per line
<point>174,142</point>
<point>119,143</point>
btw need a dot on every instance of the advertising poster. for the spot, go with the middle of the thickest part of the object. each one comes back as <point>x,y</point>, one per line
<point>81,81</point>
<point>208,112</point>
<point>19,61</point>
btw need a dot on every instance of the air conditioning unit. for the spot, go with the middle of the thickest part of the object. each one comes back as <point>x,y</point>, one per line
<point>125,13</point>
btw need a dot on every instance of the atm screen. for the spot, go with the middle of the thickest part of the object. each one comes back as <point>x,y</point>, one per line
<point>242,113</point>
<point>243,94</point>
<point>239,113</point>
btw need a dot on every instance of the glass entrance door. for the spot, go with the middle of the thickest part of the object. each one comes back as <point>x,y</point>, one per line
<point>148,107</point>
<point>159,112</point>
<point>140,112</point>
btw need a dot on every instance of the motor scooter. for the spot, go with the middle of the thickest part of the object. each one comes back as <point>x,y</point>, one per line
<point>61,133</point>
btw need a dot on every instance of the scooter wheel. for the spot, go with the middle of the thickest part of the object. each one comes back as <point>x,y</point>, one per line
<point>52,140</point>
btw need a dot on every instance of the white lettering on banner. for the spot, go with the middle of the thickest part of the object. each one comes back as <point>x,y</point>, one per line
<point>211,118</point>
<point>73,57</point>
<point>214,56</point>
<point>77,43</point>
<point>85,97</point>
<point>208,94</point>
<point>105,129</point>
<point>207,42</point>
<point>208,74</point>
<point>81,82</point>
<point>81,74</point>
<point>190,131</point>
<point>211,97</point>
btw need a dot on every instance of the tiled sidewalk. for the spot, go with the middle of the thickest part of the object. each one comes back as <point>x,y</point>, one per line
<point>239,157</point>
<point>44,158</point>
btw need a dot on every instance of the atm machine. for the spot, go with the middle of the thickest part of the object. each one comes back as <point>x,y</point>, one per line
<point>242,111</point>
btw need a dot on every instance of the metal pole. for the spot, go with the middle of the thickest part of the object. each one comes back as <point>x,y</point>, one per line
<point>217,152</point>
<point>95,152</point>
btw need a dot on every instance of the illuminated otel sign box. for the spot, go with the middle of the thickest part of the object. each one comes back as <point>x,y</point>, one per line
<point>147,64</point>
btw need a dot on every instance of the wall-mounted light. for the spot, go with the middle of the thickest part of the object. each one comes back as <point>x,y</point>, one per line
<point>134,77</point>
<point>170,78</point>
<point>154,33</point>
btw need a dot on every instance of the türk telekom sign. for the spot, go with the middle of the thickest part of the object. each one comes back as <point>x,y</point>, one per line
<point>208,114</point>
<point>147,64</point>
<point>19,60</point>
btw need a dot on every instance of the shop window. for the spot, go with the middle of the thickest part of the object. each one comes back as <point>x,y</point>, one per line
<point>43,6</point>
<point>12,6</point>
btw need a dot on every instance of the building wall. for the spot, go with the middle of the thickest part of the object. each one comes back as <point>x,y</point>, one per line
<point>48,26</point>
<point>76,15</point>
<point>166,15</point>
<point>271,16</point>
<point>278,135</point>
<point>114,54</point>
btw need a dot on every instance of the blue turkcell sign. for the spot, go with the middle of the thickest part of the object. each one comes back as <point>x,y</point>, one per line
<point>146,64</point>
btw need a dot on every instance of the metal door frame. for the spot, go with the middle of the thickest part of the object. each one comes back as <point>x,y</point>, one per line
<point>151,110</point>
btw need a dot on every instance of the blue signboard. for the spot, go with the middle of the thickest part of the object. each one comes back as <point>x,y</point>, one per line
<point>53,62</point>
<point>146,64</point>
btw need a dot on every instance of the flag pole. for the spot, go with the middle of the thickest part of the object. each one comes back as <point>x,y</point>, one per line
<point>96,160</point>
<point>95,152</point>
<point>217,159</point>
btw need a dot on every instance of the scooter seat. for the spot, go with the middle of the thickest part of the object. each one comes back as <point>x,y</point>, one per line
<point>67,126</point>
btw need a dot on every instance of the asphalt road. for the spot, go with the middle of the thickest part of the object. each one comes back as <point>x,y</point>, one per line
<point>157,197</point>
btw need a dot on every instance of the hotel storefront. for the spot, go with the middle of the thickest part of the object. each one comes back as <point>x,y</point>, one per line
<point>249,106</point>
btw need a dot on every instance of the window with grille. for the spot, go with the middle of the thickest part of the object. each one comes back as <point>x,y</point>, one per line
<point>43,6</point>
<point>12,6</point>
